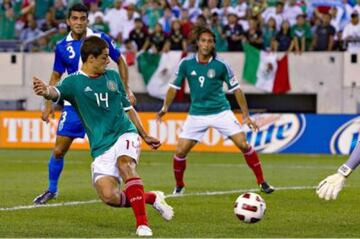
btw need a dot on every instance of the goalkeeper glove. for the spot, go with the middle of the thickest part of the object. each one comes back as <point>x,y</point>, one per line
<point>330,187</point>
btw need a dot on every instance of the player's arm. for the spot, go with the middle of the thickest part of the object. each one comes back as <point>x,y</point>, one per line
<point>169,98</point>
<point>330,187</point>
<point>241,100</point>
<point>124,73</point>
<point>48,109</point>
<point>180,75</point>
<point>154,143</point>
<point>47,91</point>
<point>134,117</point>
<point>234,87</point>
<point>118,58</point>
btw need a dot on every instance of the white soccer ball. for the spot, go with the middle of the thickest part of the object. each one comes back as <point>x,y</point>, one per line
<point>249,207</point>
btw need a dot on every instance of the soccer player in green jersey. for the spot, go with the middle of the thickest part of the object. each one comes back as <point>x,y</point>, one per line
<point>99,98</point>
<point>206,73</point>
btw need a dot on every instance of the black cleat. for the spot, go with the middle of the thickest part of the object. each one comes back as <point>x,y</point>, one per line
<point>45,197</point>
<point>266,188</point>
<point>178,190</point>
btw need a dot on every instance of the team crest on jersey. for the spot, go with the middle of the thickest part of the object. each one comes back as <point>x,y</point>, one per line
<point>111,85</point>
<point>113,43</point>
<point>211,73</point>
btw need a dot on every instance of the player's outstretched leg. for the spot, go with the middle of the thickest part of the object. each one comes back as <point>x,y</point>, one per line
<point>109,192</point>
<point>165,210</point>
<point>134,191</point>
<point>55,167</point>
<point>252,160</point>
<point>179,166</point>
<point>154,198</point>
<point>254,163</point>
<point>183,147</point>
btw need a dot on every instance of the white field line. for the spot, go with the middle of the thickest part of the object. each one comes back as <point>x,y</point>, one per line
<point>212,165</point>
<point>25,207</point>
<point>238,191</point>
<point>244,165</point>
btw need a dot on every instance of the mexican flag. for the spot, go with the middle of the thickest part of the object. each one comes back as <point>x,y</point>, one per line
<point>265,71</point>
<point>158,70</point>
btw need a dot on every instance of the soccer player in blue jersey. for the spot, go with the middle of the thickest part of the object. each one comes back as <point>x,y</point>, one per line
<point>67,58</point>
<point>330,187</point>
<point>98,96</point>
<point>206,73</point>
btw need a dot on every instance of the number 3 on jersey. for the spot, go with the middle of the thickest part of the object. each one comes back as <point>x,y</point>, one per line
<point>102,97</point>
<point>71,51</point>
<point>202,81</point>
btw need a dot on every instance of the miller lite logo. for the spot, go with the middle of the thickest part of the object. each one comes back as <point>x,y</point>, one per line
<point>345,137</point>
<point>277,132</point>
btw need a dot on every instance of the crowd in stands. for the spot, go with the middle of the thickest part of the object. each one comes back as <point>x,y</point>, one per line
<point>163,25</point>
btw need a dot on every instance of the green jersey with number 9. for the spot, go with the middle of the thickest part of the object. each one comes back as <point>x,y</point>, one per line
<point>206,84</point>
<point>101,104</point>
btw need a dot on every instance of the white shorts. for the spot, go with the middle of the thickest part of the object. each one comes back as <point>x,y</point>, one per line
<point>196,126</point>
<point>106,164</point>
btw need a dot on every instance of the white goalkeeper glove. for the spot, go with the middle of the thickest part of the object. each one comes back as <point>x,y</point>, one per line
<point>330,187</point>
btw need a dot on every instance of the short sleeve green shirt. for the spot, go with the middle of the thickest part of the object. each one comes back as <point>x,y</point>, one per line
<point>101,103</point>
<point>206,84</point>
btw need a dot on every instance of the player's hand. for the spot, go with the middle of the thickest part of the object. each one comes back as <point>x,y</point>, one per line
<point>330,187</point>
<point>47,112</point>
<point>251,123</point>
<point>154,143</point>
<point>131,96</point>
<point>160,114</point>
<point>39,87</point>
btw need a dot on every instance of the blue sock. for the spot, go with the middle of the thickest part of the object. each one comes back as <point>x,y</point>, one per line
<point>55,167</point>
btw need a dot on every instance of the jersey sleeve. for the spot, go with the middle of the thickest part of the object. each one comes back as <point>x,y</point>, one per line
<point>230,79</point>
<point>180,75</point>
<point>59,65</point>
<point>124,97</point>
<point>114,51</point>
<point>65,89</point>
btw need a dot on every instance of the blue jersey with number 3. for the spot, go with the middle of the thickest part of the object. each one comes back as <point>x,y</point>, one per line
<point>67,52</point>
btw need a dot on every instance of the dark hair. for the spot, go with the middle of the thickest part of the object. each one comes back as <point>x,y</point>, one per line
<point>138,19</point>
<point>78,7</point>
<point>92,45</point>
<point>198,31</point>
<point>354,14</point>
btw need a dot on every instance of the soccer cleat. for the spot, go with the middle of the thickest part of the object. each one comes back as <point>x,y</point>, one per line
<point>179,190</point>
<point>162,207</point>
<point>45,197</point>
<point>144,231</point>
<point>266,188</point>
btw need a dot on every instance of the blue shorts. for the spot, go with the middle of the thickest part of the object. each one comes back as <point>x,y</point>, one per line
<point>70,124</point>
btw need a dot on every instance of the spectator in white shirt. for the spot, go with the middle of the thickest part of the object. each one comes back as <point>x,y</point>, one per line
<point>114,16</point>
<point>194,10</point>
<point>291,11</point>
<point>351,33</point>
<point>274,12</point>
<point>128,20</point>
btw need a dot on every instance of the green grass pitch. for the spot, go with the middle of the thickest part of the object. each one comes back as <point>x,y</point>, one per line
<point>291,211</point>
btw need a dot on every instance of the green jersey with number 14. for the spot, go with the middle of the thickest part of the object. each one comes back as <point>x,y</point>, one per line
<point>101,103</point>
<point>206,84</point>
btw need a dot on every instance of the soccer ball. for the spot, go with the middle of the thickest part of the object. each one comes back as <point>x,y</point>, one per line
<point>249,207</point>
